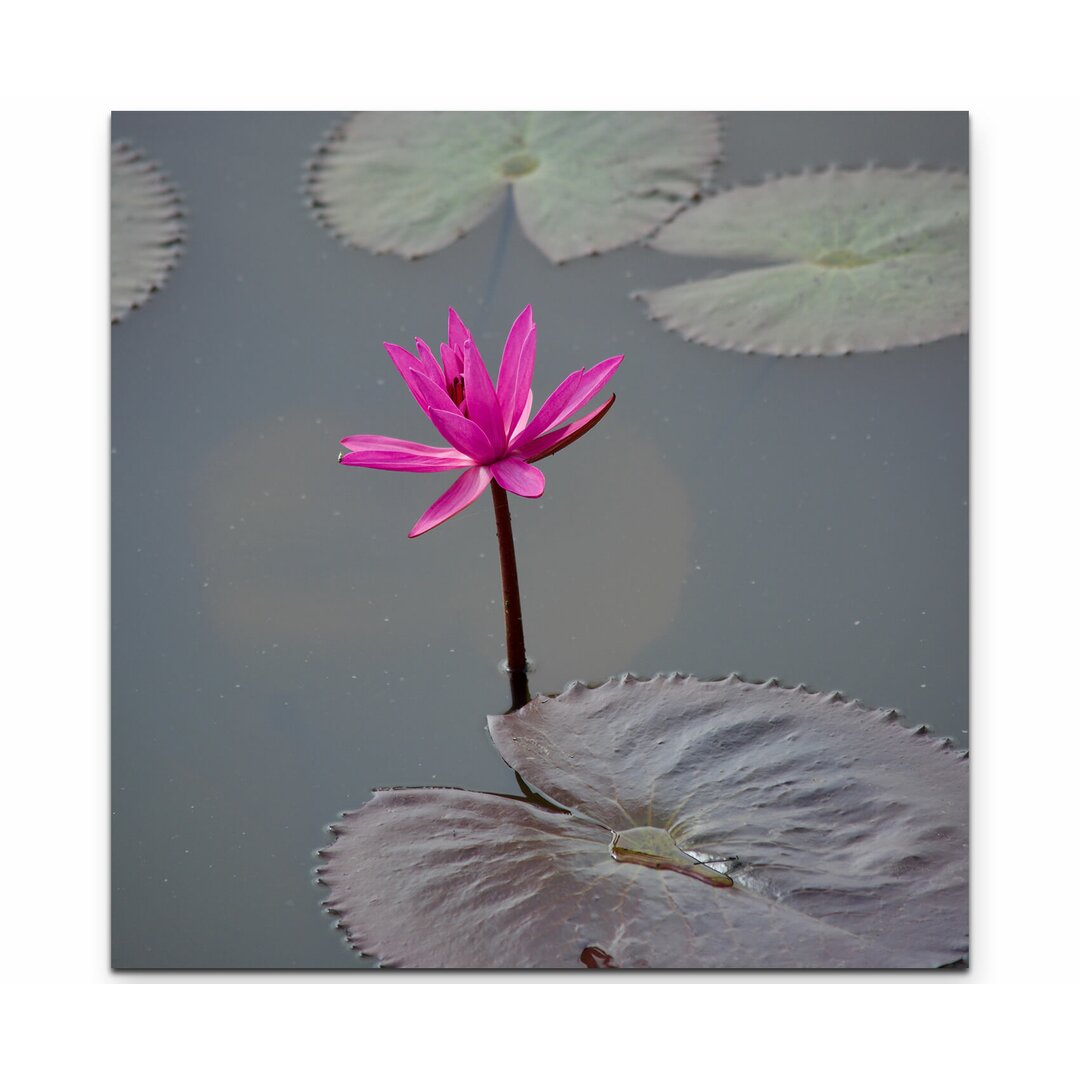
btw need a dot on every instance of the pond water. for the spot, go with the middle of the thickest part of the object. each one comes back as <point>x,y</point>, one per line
<point>280,648</point>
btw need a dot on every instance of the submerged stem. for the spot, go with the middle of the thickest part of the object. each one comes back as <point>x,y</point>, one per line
<point>515,631</point>
<point>499,256</point>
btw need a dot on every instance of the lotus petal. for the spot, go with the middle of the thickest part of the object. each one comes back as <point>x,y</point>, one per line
<point>863,261</point>
<point>561,438</point>
<point>464,491</point>
<point>146,229</point>
<point>518,476</point>
<point>412,182</point>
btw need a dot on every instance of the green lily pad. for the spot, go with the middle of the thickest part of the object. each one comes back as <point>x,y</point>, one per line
<point>412,182</point>
<point>861,261</point>
<point>706,824</point>
<point>147,229</point>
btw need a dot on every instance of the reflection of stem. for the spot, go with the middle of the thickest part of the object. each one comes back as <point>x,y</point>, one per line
<point>499,256</point>
<point>515,630</point>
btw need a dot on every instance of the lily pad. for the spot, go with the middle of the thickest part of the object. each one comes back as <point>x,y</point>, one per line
<point>707,824</point>
<point>413,182</point>
<point>147,229</point>
<point>862,261</point>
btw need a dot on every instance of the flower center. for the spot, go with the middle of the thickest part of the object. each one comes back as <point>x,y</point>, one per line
<point>456,390</point>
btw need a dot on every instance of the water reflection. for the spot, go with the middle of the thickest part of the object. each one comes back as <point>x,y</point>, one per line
<point>291,554</point>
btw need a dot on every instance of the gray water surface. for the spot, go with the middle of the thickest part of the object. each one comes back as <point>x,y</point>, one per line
<point>280,648</point>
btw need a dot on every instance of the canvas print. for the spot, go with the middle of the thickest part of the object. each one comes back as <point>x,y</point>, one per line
<point>539,540</point>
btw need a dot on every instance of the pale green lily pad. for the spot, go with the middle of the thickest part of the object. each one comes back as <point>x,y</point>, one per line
<point>412,183</point>
<point>862,261</point>
<point>147,229</point>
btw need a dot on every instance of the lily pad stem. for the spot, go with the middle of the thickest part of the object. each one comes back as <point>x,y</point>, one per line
<point>516,664</point>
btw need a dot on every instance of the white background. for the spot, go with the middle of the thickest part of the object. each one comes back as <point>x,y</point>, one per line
<point>67,66</point>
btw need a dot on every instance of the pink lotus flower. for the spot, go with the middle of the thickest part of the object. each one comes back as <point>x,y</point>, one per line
<point>488,428</point>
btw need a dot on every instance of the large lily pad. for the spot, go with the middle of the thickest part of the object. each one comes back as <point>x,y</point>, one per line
<point>413,182</point>
<point>147,229</point>
<point>711,824</point>
<point>862,261</point>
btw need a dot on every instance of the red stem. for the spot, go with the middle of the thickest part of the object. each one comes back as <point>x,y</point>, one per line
<point>515,631</point>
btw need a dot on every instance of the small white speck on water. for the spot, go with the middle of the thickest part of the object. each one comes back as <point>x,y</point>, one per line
<point>858,622</point>
<point>387,619</point>
<point>922,685</point>
<point>697,566</point>
<point>380,382</point>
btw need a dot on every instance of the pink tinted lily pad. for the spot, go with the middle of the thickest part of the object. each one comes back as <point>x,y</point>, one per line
<point>584,182</point>
<point>707,824</point>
